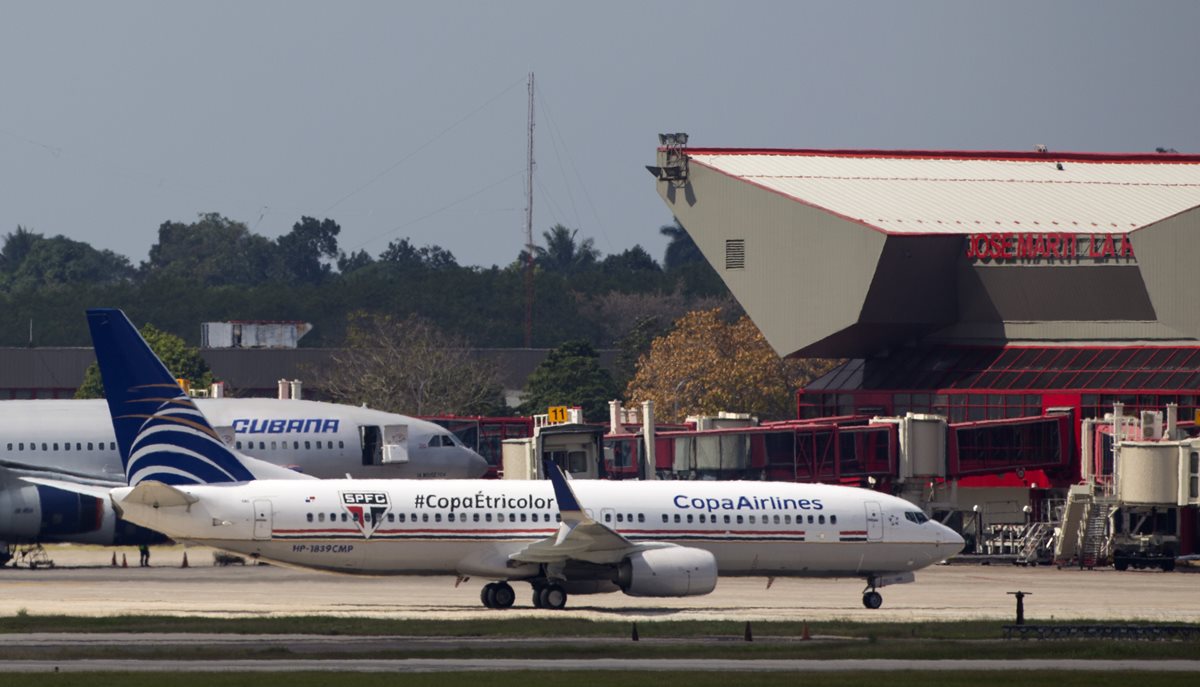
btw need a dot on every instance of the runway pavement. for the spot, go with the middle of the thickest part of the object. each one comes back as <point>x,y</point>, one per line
<point>940,593</point>
<point>436,665</point>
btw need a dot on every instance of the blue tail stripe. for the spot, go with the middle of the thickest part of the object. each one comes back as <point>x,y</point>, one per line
<point>203,471</point>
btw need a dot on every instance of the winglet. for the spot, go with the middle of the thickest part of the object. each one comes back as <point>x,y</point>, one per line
<point>568,506</point>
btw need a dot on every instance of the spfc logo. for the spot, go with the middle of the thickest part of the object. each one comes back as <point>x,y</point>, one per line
<point>367,508</point>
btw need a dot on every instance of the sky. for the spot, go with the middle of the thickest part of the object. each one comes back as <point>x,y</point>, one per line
<point>408,119</point>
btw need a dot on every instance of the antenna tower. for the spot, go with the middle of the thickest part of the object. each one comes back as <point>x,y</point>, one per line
<point>529,227</point>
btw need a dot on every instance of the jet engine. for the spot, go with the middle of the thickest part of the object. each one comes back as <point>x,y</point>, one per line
<point>43,513</point>
<point>668,571</point>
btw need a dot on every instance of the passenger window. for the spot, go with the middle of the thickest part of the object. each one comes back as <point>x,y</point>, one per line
<point>776,519</point>
<point>238,445</point>
<point>487,517</point>
<point>320,517</point>
<point>752,520</point>
<point>341,444</point>
<point>307,445</point>
<point>739,519</point>
<point>78,446</point>
<point>702,519</point>
<point>475,517</point>
<point>399,517</point>
<point>641,517</point>
<point>318,443</point>
<point>620,517</point>
<point>295,445</point>
<point>726,519</point>
<point>262,444</point>
<point>522,517</point>
<point>512,517</point>
<point>833,520</point>
<point>665,518</point>
<point>44,446</point>
<point>112,446</point>
<point>424,517</point>
<point>10,447</point>
<point>787,519</point>
<point>450,517</point>
<point>391,517</point>
<point>56,446</point>
<point>67,446</point>
<point>608,517</point>
<point>557,517</point>
<point>345,517</point>
<point>677,518</point>
<point>437,517</point>
<point>310,517</point>
<point>499,517</point>
<point>810,519</point>
<point>90,446</point>
<point>820,519</point>
<point>272,445</point>
<point>689,517</point>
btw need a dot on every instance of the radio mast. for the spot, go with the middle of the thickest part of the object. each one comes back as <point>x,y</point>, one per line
<point>529,227</point>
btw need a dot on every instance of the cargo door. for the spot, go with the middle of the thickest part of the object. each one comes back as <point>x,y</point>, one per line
<point>262,519</point>
<point>874,521</point>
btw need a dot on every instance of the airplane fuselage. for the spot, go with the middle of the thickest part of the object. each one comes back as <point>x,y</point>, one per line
<point>469,526</point>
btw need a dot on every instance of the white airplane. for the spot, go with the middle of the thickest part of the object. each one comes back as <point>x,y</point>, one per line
<point>73,440</point>
<point>657,539</point>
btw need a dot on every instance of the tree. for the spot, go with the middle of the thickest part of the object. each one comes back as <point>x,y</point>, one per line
<point>632,261</point>
<point>214,251</point>
<point>705,365</point>
<point>404,254</point>
<point>571,376</point>
<point>31,261</point>
<point>562,254</point>
<point>354,261</point>
<point>409,366</point>
<point>183,361</point>
<point>681,250</point>
<point>305,254</point>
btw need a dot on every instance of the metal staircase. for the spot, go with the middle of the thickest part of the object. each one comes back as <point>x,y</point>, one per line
<point>1066,548</point>
<point>1093,549</point>
<point>1037,539</point>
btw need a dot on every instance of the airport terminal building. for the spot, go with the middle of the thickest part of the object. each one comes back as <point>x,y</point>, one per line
<point>1019,296</point>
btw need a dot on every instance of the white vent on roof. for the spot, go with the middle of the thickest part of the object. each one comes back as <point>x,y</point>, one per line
<point>735,254</point>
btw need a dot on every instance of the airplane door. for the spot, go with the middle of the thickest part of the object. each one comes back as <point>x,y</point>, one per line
<point>395,444</point>
<point>262,519</point>
<point>874,521</point>
<point>371,440</point>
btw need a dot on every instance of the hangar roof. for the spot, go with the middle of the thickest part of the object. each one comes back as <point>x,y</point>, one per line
<point>934,192</point>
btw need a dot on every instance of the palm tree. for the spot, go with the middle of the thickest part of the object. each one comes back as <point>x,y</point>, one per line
<point>562,254</point>
<point>682,250</point>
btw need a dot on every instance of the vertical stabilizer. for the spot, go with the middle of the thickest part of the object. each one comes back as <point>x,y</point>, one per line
<point>161,434</point>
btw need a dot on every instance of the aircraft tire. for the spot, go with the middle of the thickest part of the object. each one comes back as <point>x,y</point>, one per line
<point>553,597</point>
<point>487,595</point>
<point>503,595</point>
<point>872,600</point>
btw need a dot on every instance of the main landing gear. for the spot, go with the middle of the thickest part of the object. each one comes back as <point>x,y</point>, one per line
<point>871,598</point>
<point>497,595</point>
<point>548,595</point>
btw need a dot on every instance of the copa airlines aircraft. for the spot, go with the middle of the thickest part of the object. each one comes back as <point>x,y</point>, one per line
<point>657,539</point>
<point>72,440</point>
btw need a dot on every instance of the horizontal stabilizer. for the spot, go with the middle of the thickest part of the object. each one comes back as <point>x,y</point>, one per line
<point>98,491</point>
<point>158,495</point>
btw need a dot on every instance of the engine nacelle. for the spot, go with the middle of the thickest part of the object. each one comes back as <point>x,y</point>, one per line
<point>669,571</point>
<point>44,513</point>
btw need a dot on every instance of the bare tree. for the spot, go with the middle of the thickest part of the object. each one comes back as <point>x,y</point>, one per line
<point>409,366</point>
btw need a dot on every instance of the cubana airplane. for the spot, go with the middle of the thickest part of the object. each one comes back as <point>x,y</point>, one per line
<point>652,539</point>
<point>72,440</point>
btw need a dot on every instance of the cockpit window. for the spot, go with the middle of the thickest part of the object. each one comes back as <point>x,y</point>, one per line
<point>916,516</point>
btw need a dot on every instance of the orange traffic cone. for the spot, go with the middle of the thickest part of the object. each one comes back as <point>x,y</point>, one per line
<point>185,563</point>
<point>124,563</point>
<point>114,561</point>
<point>804,634</point>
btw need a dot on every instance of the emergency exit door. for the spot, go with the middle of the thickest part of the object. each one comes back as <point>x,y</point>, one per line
<point>262,519</point>
<point>874,521</point>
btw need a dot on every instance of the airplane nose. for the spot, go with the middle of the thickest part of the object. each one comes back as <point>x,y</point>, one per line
<point>949,541</point>
<point>476,465</point>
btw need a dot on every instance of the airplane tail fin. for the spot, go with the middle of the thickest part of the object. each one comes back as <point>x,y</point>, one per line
<point>161,434</point>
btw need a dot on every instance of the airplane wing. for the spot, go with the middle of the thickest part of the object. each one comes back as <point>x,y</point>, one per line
<point>579,537</point>
<point>19,469</point>
<point>98,491</point>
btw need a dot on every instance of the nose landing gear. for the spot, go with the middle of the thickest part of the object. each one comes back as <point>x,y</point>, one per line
<point>871,598</point>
